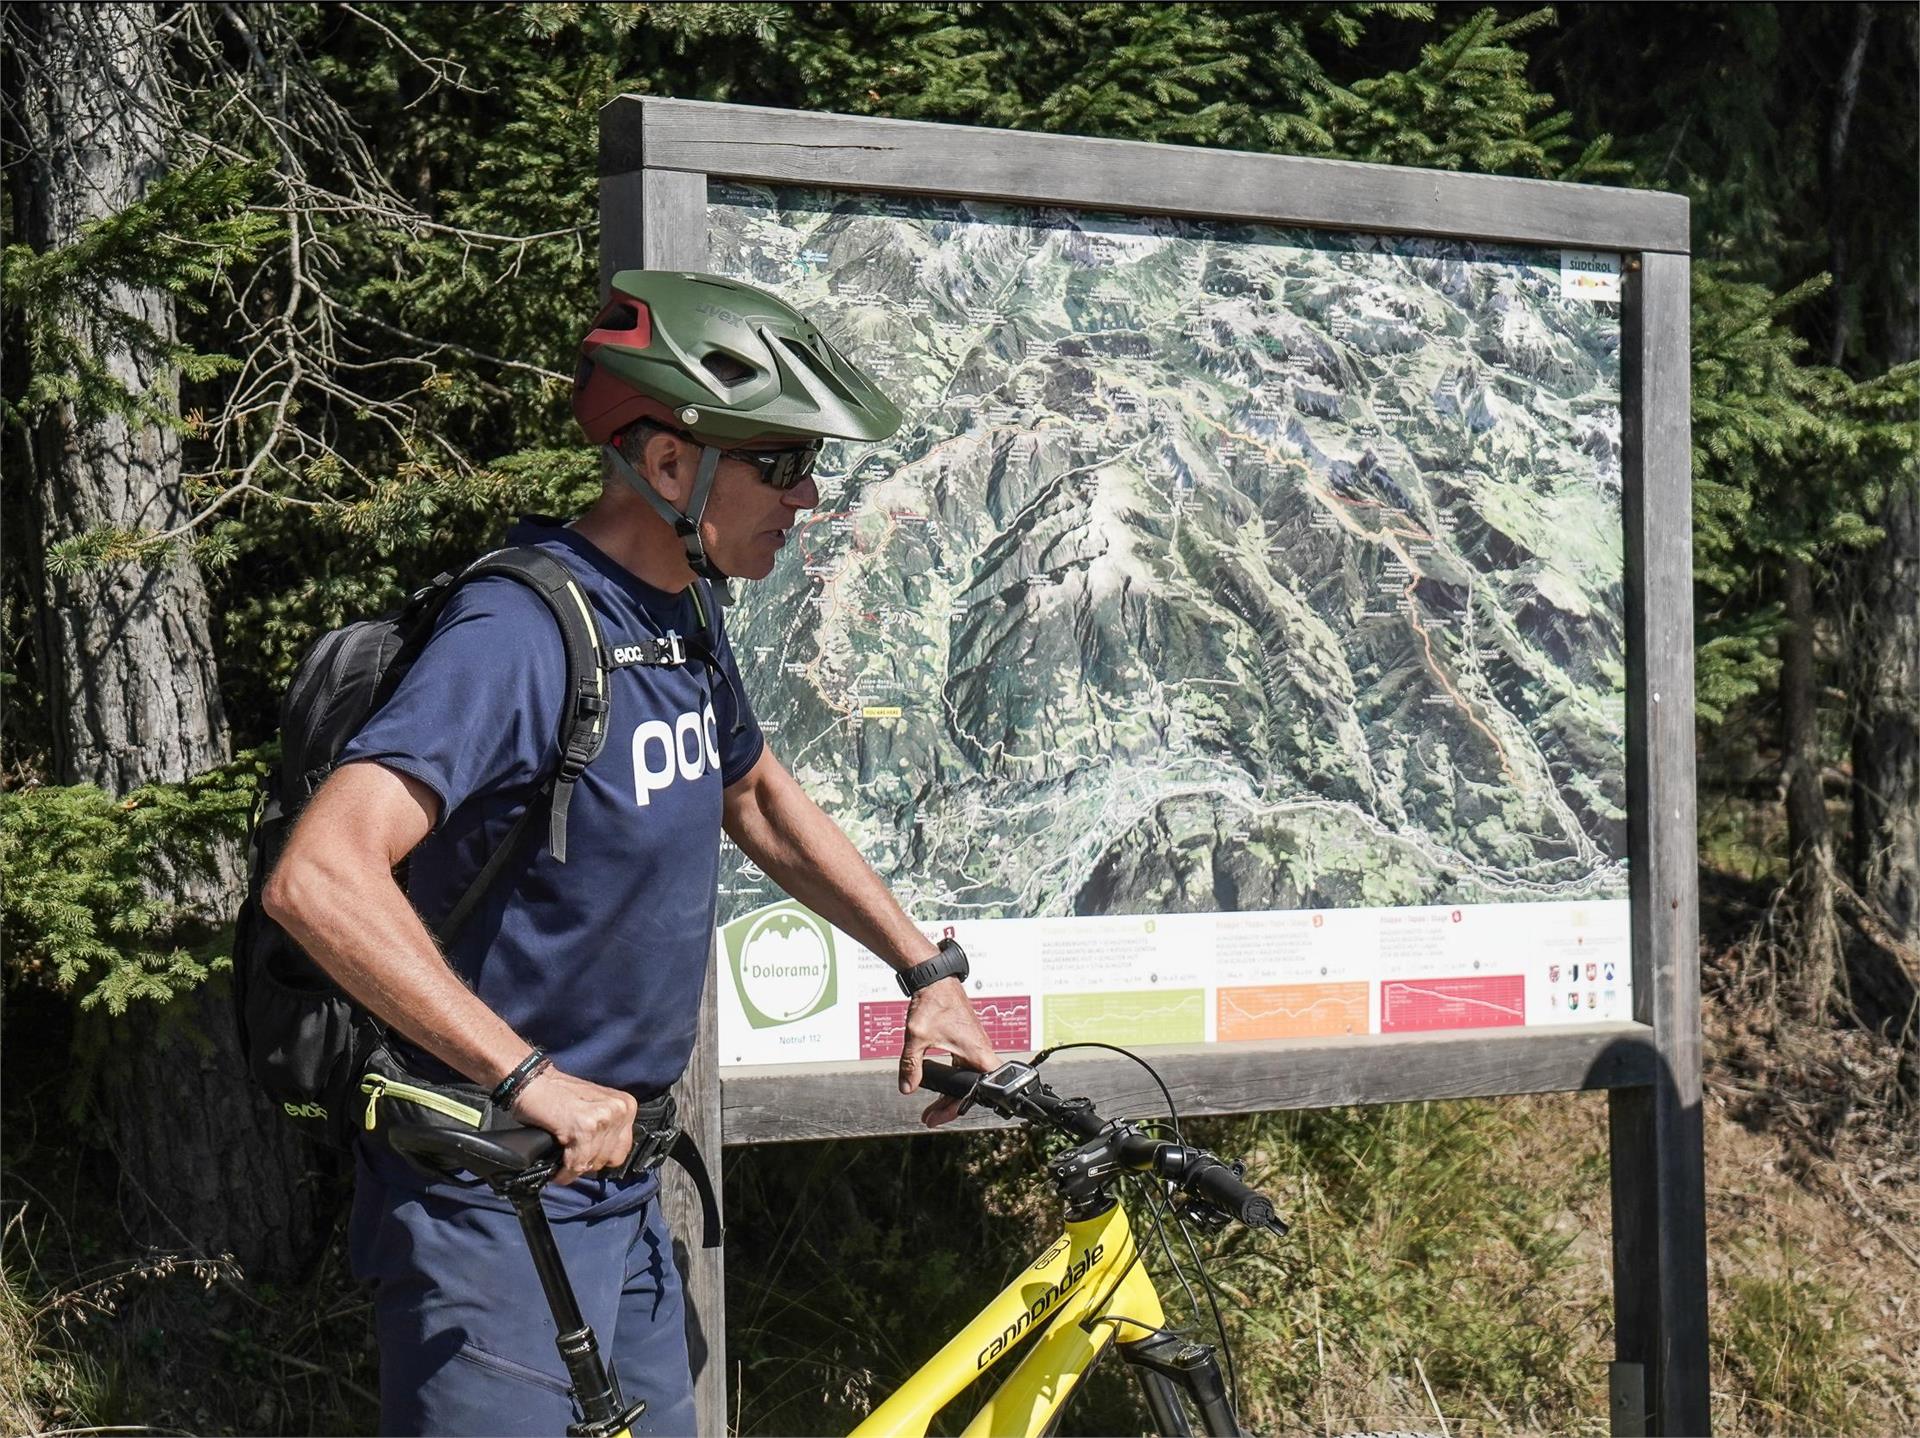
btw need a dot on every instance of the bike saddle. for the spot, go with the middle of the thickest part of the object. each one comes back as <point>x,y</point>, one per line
<point>485,1155</point>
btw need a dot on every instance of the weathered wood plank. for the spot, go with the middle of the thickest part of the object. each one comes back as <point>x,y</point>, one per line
<point>1658,1173</point>
<point>622,221</point>
<point>852,152</point>
<point>859,1100</point>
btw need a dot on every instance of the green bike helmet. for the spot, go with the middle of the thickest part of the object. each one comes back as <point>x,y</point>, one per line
<point>724,363</point>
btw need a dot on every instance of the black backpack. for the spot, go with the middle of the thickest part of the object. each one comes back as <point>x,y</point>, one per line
<point>311,1047</point>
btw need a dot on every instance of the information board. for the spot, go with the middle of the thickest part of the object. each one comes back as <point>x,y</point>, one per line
<point>1229,646</point>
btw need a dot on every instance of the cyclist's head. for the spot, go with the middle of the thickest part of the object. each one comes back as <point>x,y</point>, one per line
<point>735,373</point>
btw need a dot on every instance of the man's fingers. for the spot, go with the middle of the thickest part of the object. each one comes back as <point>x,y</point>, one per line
<point>910,1055</point>
<point>944,1109</point>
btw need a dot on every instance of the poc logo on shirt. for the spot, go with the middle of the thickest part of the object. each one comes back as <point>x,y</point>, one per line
<point>664,753</point>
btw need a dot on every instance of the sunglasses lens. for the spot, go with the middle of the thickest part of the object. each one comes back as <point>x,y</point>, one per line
<point>791,468</point>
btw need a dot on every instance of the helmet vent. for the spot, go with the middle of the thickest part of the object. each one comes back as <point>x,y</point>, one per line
<point>725,368</point>
<point>817,366</point>
<point>619,317</point>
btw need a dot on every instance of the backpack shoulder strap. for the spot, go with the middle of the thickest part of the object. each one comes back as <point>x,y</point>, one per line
<point>583,719</point>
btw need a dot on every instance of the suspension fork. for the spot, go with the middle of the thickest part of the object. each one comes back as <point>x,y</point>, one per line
<point>1168,1366</point>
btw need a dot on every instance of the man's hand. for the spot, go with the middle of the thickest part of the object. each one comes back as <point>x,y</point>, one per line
<point>594,1124</point>
<point>941,1016</point>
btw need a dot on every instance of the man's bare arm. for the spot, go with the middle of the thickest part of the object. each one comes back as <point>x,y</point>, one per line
<point>334,892</point>
<point>802,850</point>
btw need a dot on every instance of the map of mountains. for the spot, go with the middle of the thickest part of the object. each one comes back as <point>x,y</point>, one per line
<point>1216,567</point>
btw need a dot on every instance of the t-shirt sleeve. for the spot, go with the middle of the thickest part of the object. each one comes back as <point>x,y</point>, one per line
<point>479,712</point>
<point>741,742</point>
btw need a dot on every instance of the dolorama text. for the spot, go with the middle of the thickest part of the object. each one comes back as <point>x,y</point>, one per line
<point>785,971</point>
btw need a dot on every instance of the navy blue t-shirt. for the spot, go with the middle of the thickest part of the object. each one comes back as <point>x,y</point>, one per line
<point>599,960</point>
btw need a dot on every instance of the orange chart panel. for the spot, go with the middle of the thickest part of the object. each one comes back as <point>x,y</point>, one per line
<point>1291,1011</point>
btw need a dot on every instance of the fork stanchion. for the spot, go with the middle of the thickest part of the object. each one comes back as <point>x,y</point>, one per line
<point>595,1389</point>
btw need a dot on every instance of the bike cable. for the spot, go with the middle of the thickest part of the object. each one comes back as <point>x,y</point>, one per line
<point>1172,1112</point>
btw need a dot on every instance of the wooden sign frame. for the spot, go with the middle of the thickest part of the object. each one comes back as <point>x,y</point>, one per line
<point>655,159</point>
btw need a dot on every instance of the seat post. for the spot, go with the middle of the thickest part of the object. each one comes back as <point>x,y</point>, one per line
<point>595,1390</point>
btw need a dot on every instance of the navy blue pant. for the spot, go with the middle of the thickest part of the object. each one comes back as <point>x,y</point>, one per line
<point>466,1339</point>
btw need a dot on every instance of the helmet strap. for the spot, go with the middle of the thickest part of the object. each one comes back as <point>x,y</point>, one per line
<point>687,525</point>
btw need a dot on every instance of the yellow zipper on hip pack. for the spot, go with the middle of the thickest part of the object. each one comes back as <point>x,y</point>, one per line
<point>374,1086</point>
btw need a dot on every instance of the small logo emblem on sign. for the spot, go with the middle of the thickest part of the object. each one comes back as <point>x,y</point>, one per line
<point>783,965</point>
<point>1589,275</point>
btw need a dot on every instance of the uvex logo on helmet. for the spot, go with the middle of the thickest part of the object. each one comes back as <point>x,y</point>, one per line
<point>719,312</point>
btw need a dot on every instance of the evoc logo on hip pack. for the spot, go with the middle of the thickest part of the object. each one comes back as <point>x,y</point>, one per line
<point>664,753</point>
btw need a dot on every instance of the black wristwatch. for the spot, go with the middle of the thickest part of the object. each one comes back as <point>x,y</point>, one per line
<point>949,963</point>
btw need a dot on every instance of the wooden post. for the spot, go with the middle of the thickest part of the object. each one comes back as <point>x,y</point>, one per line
<point>1658,1168</point>
<point>659,222</point>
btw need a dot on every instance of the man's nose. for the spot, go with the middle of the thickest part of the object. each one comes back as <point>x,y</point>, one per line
<point>804,495</point>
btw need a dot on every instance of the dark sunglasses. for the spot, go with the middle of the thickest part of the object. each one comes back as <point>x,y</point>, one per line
<point>781,468</point>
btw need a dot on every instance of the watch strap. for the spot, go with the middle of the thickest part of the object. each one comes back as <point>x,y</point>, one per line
<point>949,963</point>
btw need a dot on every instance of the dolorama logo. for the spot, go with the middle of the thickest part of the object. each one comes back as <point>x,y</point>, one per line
<point>783,966</point>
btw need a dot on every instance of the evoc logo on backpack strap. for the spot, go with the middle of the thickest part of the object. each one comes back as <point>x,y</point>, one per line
<point>657,652</point>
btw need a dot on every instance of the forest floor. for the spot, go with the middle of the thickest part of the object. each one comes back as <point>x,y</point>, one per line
<point>1449,1267</point>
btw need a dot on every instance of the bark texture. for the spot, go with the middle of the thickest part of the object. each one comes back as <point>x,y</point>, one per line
<point>1810,872</point>
<point>128,653</point>
<point>128,648</point>
<point>1886,740</point>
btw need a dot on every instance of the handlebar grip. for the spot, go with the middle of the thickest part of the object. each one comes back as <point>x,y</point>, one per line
<point>949,1079</point>
<point>1222,1187</point>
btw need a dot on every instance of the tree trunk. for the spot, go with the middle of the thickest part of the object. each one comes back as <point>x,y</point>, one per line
<point>1885,849</point>
<point>1810,874</point>
<point>1886,736</point>
<point>128,652</point>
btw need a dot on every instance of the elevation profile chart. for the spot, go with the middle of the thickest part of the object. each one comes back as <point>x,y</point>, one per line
<point>1228,648</point>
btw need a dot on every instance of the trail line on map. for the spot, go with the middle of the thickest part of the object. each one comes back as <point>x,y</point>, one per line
<point>1330,501</point>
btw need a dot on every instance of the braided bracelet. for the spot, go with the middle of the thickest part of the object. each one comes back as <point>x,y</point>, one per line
<point>508,1089</point>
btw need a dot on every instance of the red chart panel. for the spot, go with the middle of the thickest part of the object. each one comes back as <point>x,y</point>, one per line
<point>1415,1005</point>
<point>1008,1020</point>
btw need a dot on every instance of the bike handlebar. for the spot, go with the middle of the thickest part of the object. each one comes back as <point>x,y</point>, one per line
<point>1015,1091</point>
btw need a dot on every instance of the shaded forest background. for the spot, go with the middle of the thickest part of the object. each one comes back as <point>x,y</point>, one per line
<point>290,301</point>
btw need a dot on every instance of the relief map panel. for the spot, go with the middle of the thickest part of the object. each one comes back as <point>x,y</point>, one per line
<point>1230,644</point>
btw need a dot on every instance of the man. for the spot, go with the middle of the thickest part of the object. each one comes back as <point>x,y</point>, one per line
<point>713,398</point>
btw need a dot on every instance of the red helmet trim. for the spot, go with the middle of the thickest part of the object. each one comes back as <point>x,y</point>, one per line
<point>638,335</point>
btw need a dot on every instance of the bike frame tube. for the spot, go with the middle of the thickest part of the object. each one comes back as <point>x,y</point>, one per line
<point>1088,1272</point>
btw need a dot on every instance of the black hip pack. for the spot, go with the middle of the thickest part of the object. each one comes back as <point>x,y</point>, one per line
<point>424,1123</point>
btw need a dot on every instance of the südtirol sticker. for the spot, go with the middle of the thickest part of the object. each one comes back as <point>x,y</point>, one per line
<point>1590,275</point>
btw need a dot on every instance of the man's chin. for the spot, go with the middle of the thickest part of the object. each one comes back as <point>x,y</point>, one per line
<point>752,566</point>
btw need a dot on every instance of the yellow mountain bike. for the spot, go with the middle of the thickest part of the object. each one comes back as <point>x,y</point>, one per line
<point>1088,1291</point>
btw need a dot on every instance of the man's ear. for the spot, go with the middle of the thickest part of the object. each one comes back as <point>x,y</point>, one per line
<point>670,463</point>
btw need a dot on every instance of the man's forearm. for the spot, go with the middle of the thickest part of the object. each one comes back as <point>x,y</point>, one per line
<point>803,851</point>
<point>357,925</point>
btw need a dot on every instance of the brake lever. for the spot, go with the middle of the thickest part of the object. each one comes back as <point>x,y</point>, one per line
<point>1197,1212</point>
